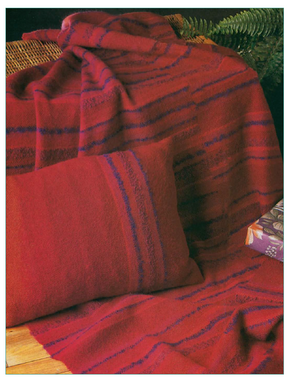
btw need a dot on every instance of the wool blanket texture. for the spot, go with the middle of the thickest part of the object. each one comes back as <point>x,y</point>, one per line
<point>126,244</point>
<point>126,81</point>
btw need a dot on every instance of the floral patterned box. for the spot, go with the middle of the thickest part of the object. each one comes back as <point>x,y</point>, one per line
<point>266,234</point>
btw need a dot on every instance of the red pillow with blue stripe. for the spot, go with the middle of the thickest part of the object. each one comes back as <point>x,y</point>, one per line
<point>93,227</point>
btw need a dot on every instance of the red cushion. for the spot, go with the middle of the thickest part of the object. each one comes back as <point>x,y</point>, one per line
<point>92,227</point>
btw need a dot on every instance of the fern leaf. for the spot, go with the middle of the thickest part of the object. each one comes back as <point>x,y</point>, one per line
<point>255,21</point>
<point>273,60</point>
<point>249,59</point>
<point>196,25</point>
<point>200,25</point>
<point>210,29</point>
<point>261,21</point>
<point>185,28</point>
<point>205,27</point>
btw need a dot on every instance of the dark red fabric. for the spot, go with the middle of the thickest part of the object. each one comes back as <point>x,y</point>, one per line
<point>127,81</point>
<point>93,227</point>
<point>230,324</point>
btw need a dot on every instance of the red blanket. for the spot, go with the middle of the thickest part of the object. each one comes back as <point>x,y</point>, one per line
<point>126,81</point>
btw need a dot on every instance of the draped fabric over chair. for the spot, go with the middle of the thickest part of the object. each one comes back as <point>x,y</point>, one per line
<point>126,81</point>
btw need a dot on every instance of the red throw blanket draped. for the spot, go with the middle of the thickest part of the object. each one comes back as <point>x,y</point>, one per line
<point>124,81</point>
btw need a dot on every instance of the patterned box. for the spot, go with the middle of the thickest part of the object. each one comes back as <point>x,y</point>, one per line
<point>266,234</point>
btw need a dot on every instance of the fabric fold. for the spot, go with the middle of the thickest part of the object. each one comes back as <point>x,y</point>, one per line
<point>127,81</point>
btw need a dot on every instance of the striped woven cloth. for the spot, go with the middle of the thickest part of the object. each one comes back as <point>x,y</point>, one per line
<point>124,81</point>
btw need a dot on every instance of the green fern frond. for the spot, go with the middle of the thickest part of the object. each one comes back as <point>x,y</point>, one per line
<point>240,42</point>
<point>185,31</point>
<point>269,57</point>
<point>249,59</point>
<point>193,27</point>
<point>254,22</point>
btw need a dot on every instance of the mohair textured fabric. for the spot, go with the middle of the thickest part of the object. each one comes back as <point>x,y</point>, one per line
<point>125,81</point>
<point>230,324</point>
<point>94,227</point>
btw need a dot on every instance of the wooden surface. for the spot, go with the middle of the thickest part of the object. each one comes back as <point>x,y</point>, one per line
<point>24,355</point>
